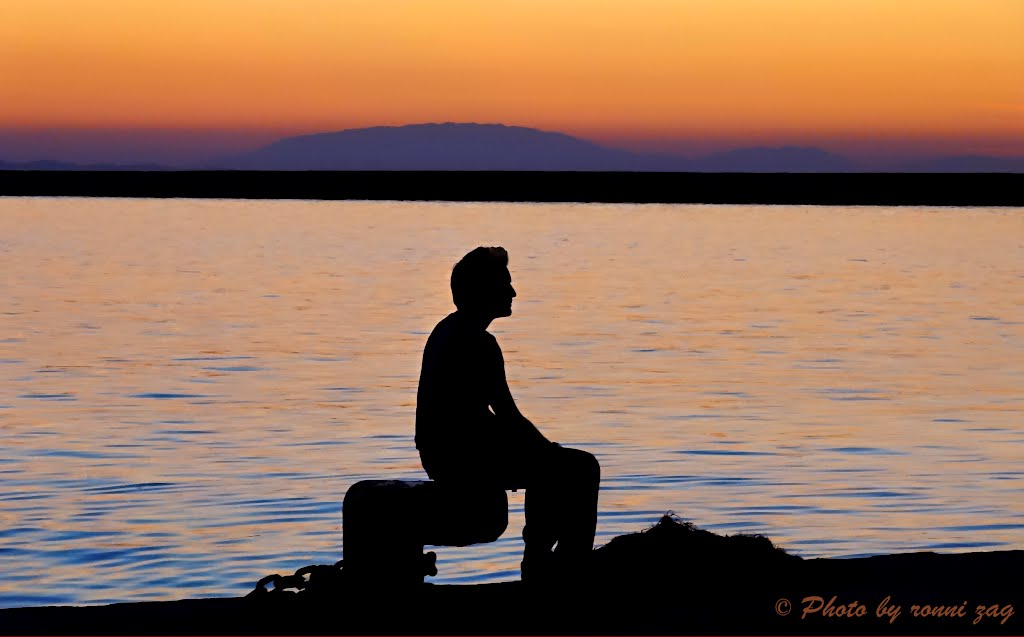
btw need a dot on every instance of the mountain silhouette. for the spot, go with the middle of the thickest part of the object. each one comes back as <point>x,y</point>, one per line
<point>497,147</point>
<point>436,147</point>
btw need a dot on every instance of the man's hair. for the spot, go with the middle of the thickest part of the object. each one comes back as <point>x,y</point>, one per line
<point>475,273</point>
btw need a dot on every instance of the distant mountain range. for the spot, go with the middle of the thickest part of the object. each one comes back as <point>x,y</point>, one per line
<point>437,147</point>
<point>498,147</point>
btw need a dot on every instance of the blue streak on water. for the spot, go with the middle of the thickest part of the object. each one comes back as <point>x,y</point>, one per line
<point>723,452</point>
<point>134,488</point>
<point>16,600</point>
<point>91,455</point>
<point>939,546</point>
<point>983,527</point>
<point>866,451</point>
<point>690,416</point>
<point>236,368</point>
<point>213,358</point>
<point>166,395</point>
<point>57,397</point>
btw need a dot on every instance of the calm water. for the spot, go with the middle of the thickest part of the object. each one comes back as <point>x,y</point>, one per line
<point>188,388</point>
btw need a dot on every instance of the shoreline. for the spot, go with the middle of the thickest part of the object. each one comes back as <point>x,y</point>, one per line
<point>914,593</point>
<point>670,579</point>
<point>834,189</point>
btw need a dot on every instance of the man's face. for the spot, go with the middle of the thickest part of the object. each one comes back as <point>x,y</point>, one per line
<point>503,293</point>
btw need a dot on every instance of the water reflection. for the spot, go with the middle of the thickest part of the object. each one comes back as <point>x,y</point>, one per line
<point>189,387</point>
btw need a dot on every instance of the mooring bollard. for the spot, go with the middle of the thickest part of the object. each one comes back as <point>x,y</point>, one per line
<point>386,524</point>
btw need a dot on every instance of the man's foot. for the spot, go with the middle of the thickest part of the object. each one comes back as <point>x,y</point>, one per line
<point>552,567</point>
<point>537,566</point>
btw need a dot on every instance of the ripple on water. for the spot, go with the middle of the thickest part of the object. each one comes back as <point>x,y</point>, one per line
<point>943,546</point>
<point>120,556</point>
<point>213,358</point>
<point>770,508</point>
<point>853,395</point>
<point>689,416</point>
<point>982,527</point>
<point>236,368</point>
<point>870,451</point>
<point>17,600</point>
<point>645,515</point>
<point>77,453</point>
<point>167,395</point>
<point>723,452</point>
<point>817,541</point>
<point>63,396</point>
<point>135,487</point>
<point>866,493</point>
<point>849,390</point>
<point>18,531</point>
<point>320,443</point>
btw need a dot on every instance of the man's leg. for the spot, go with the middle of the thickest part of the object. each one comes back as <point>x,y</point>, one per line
<point>561,506</point>
<point>577,475</point>
<point>541,530</point>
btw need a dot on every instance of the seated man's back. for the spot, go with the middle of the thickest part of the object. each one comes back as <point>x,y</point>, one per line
<point>454,422</point>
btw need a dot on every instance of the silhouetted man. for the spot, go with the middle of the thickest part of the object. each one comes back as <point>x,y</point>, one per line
<point>469,430</point>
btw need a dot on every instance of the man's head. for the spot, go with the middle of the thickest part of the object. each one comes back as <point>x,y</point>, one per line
<point>481,283</point>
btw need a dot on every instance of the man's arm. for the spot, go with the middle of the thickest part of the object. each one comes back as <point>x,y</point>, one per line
<point>504,406</point>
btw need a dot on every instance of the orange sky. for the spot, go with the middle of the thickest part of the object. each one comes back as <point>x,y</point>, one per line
<point>744,70</point>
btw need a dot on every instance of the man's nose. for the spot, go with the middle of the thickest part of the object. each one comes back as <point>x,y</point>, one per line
<point>513,291</point>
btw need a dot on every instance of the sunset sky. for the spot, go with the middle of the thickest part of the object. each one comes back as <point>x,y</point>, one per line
<point>931,76</point>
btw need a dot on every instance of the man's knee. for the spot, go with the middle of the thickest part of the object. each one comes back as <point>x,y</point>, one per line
<point>582,464</point>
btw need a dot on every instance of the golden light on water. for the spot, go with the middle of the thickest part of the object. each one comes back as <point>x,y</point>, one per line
<point>191,386</point>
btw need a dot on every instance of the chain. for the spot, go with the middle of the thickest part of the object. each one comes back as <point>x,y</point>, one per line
<point>312,578</point>
<point>320,578</point>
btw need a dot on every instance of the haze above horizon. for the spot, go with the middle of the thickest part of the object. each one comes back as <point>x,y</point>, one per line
<point>192,78</point>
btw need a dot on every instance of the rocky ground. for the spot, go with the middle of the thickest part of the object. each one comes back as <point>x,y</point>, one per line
<point>670,579</point>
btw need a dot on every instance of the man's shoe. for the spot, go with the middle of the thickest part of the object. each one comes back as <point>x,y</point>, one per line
<point>538,567</point>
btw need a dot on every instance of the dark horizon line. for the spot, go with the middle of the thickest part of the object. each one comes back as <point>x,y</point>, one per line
<point>840,189</point>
